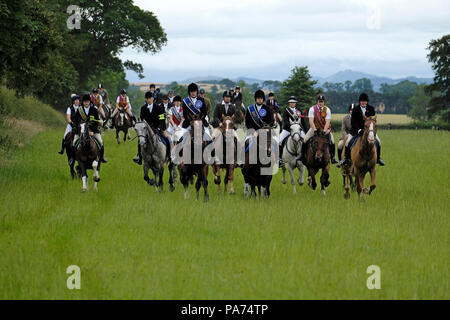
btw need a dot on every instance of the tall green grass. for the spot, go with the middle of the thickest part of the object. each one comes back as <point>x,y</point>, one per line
<point>131,242</point>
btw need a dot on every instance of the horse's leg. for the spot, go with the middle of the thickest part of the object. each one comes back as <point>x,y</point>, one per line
<point>198,185</point>
<point>125,134</point>
<point>118,136</point>
<point>95,168</point>
<point>226,179</point>
<point>171,174</point>
<point>217,175</point>
<point>324,178</point>
<point>283,169</point>
<point>231,179</point>
<point>372,178</point>
<point>146,177</point>
<point>291,173</point>
<point>84,177</point>
<point>346,177</point>
<point>313,183</point>
<point>205,182</point>
<point>301,168</point>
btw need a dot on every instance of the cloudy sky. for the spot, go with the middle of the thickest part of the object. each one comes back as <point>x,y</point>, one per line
<point>265,39</point>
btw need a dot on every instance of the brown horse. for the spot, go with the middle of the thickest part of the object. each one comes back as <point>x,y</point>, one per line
<point>197,168</point>
<point>229,159</point>
<point>87,155</point>
<point>122,122</point>
<point>318,157</point>
<point>364,158</point>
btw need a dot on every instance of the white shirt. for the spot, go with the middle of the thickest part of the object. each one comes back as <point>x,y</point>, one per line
<point>258,107</point>
<point>86,110</point>
<point>150,107</point>
<point>227,106</point>
<point>178,109</point>
<point>171,99</point>
<point>363,110</point>
<point>311,113</point>
<point>166,107</point>
<point>69,112</point>
<point>194,100</point>
<point>128,101</point>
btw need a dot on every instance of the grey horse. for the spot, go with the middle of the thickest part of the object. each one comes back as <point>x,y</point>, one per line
<point>291,155</point>
<point>153,152</point>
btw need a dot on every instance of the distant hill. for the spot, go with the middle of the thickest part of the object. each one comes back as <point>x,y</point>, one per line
<point>351,75</point>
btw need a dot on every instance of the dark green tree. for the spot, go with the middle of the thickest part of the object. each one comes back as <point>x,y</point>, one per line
<point>298,84</point>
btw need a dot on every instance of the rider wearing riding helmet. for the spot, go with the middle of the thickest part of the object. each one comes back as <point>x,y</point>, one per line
<point>70,115</point>
<point>97,100</point>
<point>123,101</point>
<point>87,112</point>
<point>319,119</point>
<point>363,108</point>
<point>154,115</point>
<point>291,114</point>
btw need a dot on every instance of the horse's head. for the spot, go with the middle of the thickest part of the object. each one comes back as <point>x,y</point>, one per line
<point>141,131</point>
<point>197,129</point>
<point>320,145</point>
<point>295,130</point>
<point>266,132</point>
<point>84,134</point>
<point>370,129</point>
<point>228,124</point>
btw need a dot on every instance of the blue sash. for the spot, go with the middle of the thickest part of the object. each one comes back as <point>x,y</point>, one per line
<point>191,107</point>
<point>255,115</point>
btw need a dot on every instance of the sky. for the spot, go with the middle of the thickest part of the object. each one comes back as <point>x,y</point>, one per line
<point>265,39</point>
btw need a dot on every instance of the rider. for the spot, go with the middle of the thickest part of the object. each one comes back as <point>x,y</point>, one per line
<point>171,96</point>
<point>70,115</point>
<point>104,93</point>
<point>175,115</point>
<point>97,100</point>
<point>166,103</point>
<point>87,112</point>
<point>194,105</point>
<point>358,125</point>
<point>227,109</point>
<point>154,115</point>
<point>319,119</point>
<point>290,114</point>
<point>156,93</point>
<point>123,102</point>
<point>202,94</point>
<point>345,129</point>
<point>237,98</point>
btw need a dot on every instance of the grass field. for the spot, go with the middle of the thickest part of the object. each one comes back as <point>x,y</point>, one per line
<point>131,242</point>
<point>382,118</point>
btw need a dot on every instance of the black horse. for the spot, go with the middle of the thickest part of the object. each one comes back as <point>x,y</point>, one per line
<point>317,158</point>
<point>257,171</point>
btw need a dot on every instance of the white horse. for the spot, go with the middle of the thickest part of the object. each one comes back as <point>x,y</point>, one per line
<point>291,155</point>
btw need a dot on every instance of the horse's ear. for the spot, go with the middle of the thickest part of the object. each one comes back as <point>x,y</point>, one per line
<point>375,118</point>
<point>223,116</point>
<point>232,117</point>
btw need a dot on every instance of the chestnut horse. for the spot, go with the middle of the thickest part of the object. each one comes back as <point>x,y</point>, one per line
<point>229,158</point>
<point>318,157</point>
<point>364,158</point>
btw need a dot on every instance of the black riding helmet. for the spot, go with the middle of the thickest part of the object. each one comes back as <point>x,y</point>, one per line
<point>123,91</point>
<point>260,94</point>
<point>177,98</point>
<point>86,97</point>
<point>192,88</point>
<point>226,94</point>
<point>149,95</point>
<point>363,97</point>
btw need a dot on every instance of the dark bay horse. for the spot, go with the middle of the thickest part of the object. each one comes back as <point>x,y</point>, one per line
<point>364,158</point>
<point>257,171</point>
<point>197,168</point>
<point>318,158</point>
<point>153,152</point>
<point>87,154</point>
<point>122,122</point>
<point>229,158</point>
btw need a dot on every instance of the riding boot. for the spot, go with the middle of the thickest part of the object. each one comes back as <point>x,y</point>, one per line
<point>339,154</point>
<point>167,148</point>
<point>379,160</point>
<point>102,155</point>
<point>63,146</point>
<point>133,121</point>
<point>281,162</point>
<point>347,156</point>
<point>333,153</point>
<point>138,158</point>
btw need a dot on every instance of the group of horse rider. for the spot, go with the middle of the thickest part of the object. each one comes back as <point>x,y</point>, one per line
<point>166,115</point>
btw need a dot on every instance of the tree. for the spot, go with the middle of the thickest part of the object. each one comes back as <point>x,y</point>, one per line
<point>439,57</point>
<point>419,102</point>
<point>363,85</point>
<point>298,84</point>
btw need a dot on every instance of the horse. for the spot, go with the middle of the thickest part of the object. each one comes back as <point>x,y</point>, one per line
<point>87,154</point>
<point>68,146</point>
<point>122,122</point>
<point>187,171</point>
<point>252,172</point>
<point>364,158</point>
<point>153,152</point>
<point>227,130</point>
<point>317,158</point>
<point>291,155</point>
<point>107,109</point>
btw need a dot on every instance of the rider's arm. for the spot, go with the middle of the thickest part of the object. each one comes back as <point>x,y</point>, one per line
<point>311,119</point>
<point>327,120</point>
<point>68,118</point>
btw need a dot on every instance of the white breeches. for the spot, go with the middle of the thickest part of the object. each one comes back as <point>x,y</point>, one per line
<point>349,137</point>
<point>96,136</point>
<point>284,134</point>
<point>68,130</point>
<point>310,134</point>
<point>206,134</point>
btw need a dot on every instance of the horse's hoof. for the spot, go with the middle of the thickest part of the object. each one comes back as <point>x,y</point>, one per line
<point>283,181</point>
<point>84,190</point>
<point>96,179</point>
<point>172,188</point>
<point>347,195</point>
<point>324,193</point>
<point>186,195</point>
<point>231,192</point>
<point>206,199</point>
<point>366,191</point>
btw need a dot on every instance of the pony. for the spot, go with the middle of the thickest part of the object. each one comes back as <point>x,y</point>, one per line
<point>87,154</point>
<point>153,152</point>
<point>364,158</point>
<point>291,155</point>
<point>318,158</point>
<point>227,130</point>
<point>187,171</point>
<point>252,172</point>
<point>122,122</point>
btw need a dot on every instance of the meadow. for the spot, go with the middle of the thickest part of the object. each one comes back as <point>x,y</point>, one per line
<point>382,118</point>
<point>133,243</point>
